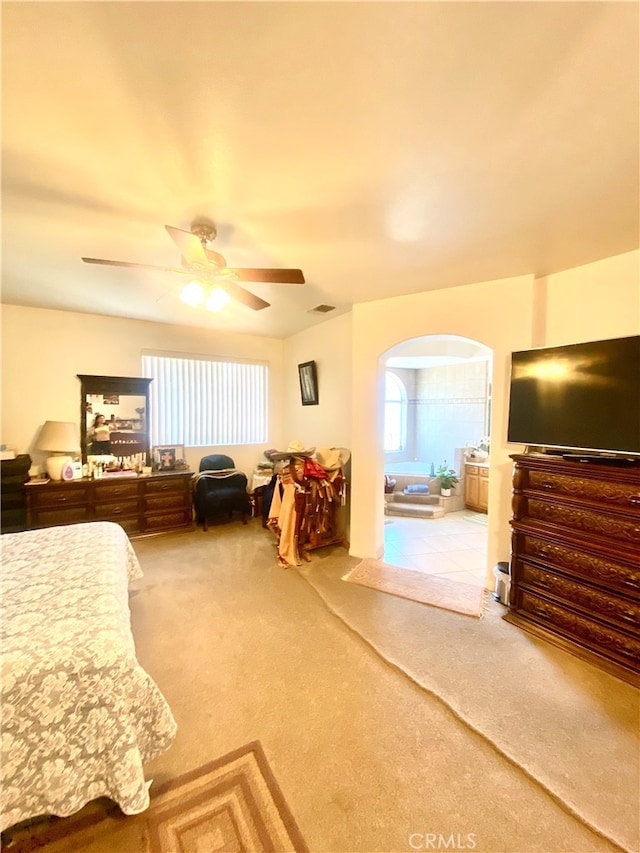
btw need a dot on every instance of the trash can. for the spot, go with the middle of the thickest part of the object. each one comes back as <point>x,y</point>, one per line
<point>503,583</point>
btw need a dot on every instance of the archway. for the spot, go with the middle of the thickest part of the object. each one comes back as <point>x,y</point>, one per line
<point>437,414</point>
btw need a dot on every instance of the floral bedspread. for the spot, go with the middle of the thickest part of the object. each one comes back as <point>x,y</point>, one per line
<point>80,716</point>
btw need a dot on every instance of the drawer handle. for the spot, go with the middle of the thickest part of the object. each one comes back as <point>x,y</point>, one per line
<point>634,500</point>
<point>548,486</point>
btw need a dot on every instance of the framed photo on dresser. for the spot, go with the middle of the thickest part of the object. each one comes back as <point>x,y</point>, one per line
<point>165,457</point>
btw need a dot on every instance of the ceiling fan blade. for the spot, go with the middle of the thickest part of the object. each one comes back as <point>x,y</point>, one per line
<point>241,295</point>
<point>272,276</point>
<point>190,246</point>
<point>107,263</point>
<point>216,258</point>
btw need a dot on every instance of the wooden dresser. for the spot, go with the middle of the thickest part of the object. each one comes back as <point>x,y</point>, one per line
<point>575,562</point>
<point>141,505</point>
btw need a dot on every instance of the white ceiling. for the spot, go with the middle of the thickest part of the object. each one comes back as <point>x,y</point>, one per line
<point>383,148</point>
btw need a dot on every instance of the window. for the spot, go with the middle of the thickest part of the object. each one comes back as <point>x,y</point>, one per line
<point>395,414</point>
<point>200,402</point>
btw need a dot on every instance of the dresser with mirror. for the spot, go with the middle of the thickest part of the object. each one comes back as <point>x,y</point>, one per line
<point>144,504</point>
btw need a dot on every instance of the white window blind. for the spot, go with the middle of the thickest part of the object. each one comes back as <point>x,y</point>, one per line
<point>204,402</point>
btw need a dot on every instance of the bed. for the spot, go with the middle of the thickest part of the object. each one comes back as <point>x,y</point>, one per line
<point>80,716</point>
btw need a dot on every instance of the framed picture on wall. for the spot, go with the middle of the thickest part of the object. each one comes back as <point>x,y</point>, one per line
<point>308,383</point>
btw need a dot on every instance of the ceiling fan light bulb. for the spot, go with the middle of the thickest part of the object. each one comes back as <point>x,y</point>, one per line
<point>192,293</point>
<point>217,299</point>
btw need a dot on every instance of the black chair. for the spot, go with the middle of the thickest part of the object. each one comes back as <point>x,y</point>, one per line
<point>219,488</point>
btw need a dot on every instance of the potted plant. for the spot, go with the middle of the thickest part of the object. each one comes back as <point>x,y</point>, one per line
<point>448,479</point>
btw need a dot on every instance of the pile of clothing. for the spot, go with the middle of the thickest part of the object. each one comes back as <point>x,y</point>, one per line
<point>303,508</point>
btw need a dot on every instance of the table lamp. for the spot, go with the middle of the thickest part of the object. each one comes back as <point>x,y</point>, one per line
<point>61,439</point>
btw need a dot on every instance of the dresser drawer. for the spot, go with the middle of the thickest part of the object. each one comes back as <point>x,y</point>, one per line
<point>113,511</point>
<point>63,495</point>
<point>584,489</point>
<point>584,565</point>
<point>620,527</point>
<point>130,525</point>
<point>623,612</point>
<point>107,492</point>
<point>167,520</point>
<point>171,500</point>
<point>64,515</point>
<point>165,484</point>
<point>599,637</point>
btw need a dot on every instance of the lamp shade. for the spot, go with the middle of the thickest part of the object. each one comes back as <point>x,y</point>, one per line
<point>58,437</point>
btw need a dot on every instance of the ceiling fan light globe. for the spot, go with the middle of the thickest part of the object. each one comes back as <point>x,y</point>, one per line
<point>192,293</point>
<point>217,299</point>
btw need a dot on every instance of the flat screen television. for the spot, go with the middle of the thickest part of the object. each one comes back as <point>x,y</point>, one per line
<point>578,397</point>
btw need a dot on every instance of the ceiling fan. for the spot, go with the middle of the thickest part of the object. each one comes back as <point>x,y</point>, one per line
<point>209,269</point>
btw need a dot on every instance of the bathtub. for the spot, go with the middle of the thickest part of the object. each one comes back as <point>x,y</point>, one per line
<point>419,469</point>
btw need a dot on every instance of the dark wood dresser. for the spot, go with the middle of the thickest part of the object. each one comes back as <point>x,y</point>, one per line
<point>575,561</point>
<point>141,505</point>
<point>14,474</point>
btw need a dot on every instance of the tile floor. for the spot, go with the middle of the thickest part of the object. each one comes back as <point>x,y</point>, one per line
<point>454,547</point>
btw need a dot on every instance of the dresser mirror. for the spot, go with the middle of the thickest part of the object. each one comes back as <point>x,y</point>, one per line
<point>114,417</point>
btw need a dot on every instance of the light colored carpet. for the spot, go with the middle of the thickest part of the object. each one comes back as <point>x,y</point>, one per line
<point>417,586</point>
<point>233,803</point>
<point>568,725</point>
<point>369,759</point>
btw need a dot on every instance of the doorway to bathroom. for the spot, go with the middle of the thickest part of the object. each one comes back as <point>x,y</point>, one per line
<point>437,414</point>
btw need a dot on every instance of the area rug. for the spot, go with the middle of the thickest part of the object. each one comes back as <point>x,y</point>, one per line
<point>233,803</point>
<point>417,586</point>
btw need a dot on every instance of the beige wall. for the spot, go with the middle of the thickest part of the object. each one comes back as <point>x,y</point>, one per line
<point>329,423</point>
<point>498,314</point>
<point>42,351</point>
<point>594,301</point>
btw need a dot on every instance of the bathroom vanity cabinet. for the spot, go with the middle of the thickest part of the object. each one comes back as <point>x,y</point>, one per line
<point>476,486</point>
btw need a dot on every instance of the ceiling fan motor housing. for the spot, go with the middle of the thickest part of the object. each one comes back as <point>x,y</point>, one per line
<point>204,229</point>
